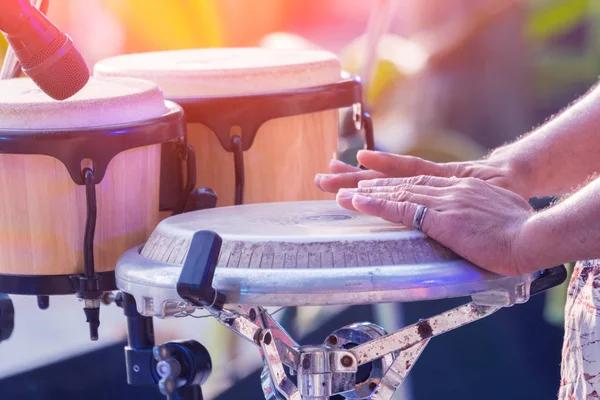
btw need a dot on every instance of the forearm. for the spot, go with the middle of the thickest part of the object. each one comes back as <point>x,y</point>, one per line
<point>561,154</point>
<point>567,232</point>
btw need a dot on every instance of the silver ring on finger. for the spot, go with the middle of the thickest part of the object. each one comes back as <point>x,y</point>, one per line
<point>419,217</point>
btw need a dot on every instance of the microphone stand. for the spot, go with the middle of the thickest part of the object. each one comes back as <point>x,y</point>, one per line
<point>11,67</point>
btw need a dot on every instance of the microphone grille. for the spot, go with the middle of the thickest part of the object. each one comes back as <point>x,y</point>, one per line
<point>60,78</point>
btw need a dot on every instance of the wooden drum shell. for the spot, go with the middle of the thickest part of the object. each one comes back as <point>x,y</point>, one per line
<point>43,212</point>
<point>281,165</point>
<point>288,149</point>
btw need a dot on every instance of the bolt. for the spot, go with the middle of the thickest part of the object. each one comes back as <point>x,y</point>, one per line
<point>424,329</point>
<point>136,368</point>
<point>347,361</point>
<point>306,363</point>
<point>268,338</point>
<point>252,314</point>
<point>332,340</point>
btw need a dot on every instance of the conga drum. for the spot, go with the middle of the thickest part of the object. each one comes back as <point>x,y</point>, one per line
<point>262,122</point>
<point>313,253</point>
<point>79,183</point>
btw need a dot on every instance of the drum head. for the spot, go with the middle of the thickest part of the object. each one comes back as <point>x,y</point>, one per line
<point>103,101</point>
<point>226,71</point>
<point>305,253</point>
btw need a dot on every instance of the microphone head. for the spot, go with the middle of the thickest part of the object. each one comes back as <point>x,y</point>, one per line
<point>58,69</point>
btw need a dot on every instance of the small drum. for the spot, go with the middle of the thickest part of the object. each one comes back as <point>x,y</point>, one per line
<point>311,253</point>
<point>79,182</point>
<point>262,122</point>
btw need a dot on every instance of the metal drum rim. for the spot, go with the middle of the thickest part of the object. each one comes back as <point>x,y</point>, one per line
<point>338,286</point>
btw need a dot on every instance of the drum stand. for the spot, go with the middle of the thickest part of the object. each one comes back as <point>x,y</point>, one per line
<point>178,368</point>
<point>359,361</point>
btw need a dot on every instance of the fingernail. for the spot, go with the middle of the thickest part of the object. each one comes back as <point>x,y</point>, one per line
<point>361,200</point>
<point>346,193</point>
<point>318,181</point>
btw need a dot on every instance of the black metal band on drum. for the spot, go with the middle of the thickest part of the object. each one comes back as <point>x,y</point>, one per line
<point>99,145</point>
<point>250,112</point>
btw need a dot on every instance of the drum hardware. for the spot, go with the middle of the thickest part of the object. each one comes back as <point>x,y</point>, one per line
<point>7,317</point>
<point>174,196</point>
<point>72,147</point>
<point>250,112</point>
<point>177,368</point>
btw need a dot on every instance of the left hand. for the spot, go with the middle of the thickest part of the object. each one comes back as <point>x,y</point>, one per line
<point>479,221</point>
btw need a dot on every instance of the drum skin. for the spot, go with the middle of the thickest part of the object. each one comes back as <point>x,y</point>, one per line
<point>43,212</point>
<point>287,151</point>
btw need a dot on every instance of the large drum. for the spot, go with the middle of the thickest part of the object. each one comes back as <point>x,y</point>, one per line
<point>310,253</point>
<point>234,261</point>
<point>277,107</point>
<point>79,182</point>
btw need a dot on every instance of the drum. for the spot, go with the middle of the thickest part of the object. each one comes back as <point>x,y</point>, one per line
<point>310,253</point>
<point>79,182</point>
<point>263,122</point>
<point>307,253</point>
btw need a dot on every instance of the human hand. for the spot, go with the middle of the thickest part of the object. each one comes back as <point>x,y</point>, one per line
<point>477,220</point>
<point>496,171</point>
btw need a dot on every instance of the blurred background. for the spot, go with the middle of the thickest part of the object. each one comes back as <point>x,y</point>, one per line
<point>452,80</point>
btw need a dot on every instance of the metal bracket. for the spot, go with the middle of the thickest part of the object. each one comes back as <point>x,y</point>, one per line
<point>324,371</point>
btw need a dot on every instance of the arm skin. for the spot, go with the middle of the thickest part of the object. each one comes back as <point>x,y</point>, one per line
<point>562,154</point>
<point>549,161</point>
<point>567,232</point>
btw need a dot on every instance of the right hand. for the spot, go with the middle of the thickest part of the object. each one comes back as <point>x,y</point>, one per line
<point>386,166</point>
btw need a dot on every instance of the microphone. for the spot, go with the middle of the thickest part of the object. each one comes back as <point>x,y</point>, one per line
<point>46,54</point>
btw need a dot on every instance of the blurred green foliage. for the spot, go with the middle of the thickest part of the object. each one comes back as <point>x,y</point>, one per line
<point>565,42</point>
<point>554,17</point>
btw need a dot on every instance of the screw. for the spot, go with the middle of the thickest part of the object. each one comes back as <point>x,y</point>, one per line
<point>252,314</point>
<point>332,340</point>
<point>268,338</point>
<point>424,329</point>
<point>347,361</point>
<point>306,363</point>
<point>136,368</point>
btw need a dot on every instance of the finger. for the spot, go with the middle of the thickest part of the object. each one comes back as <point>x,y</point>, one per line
<point>402,166</point>
<point>344,198</point>
<point>417,198</point>
<point>392,193</point>
<point>338,167</point>
<point>428,190</point>
<point>334,182</point>
<point>422,180</point>
<point>397,212</point>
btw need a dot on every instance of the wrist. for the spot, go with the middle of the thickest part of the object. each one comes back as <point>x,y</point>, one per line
<point>519,169</point>
<point>537,247</point>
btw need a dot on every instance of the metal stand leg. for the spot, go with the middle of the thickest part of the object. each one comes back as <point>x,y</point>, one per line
<point>177,368</point>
